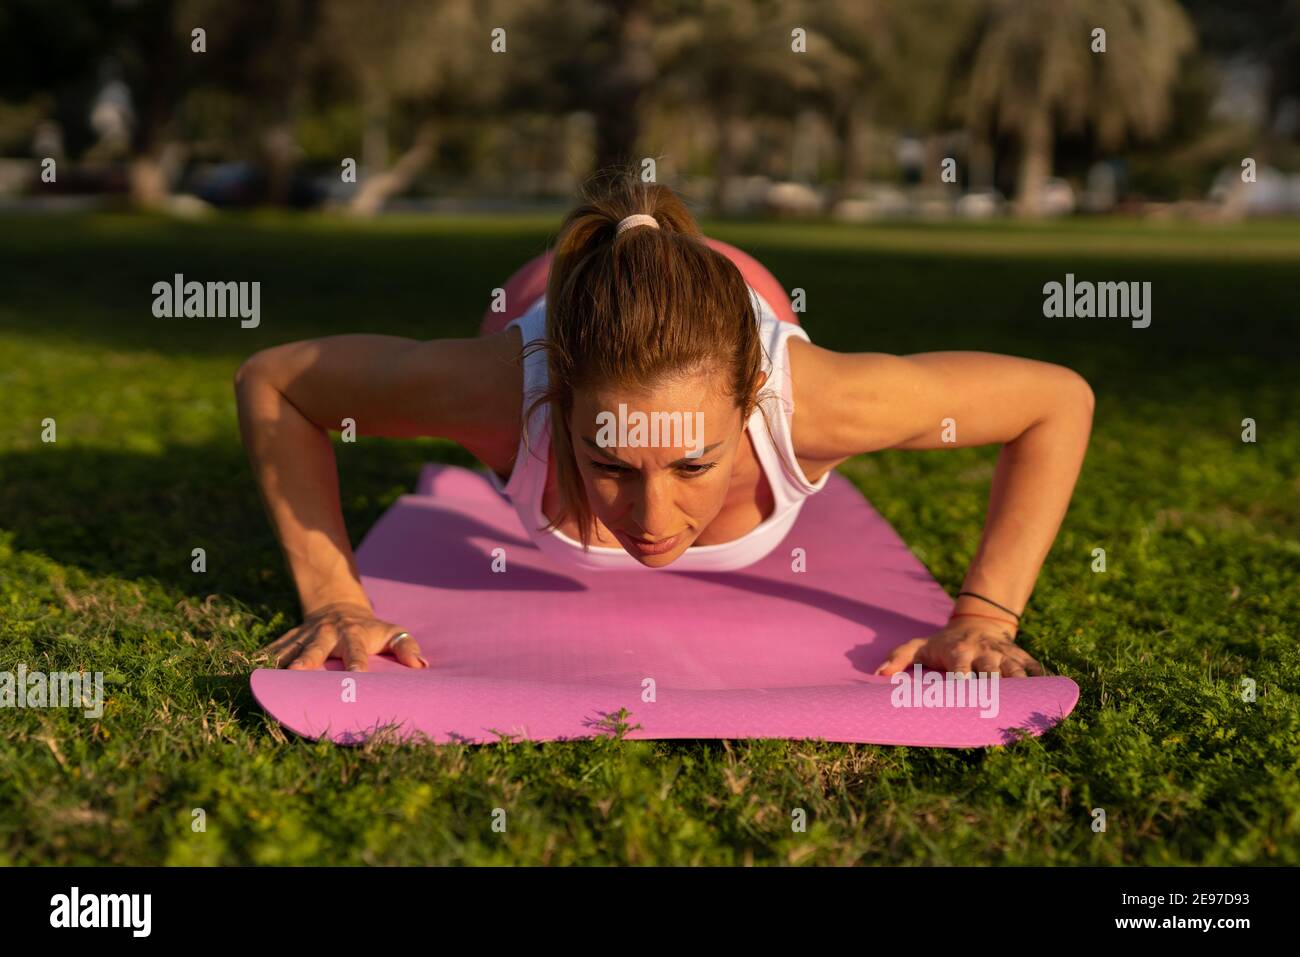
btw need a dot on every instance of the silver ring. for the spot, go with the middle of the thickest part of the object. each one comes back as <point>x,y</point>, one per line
<point>388,646</point>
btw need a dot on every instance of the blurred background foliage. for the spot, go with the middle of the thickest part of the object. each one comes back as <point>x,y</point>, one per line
<point>846,107</point>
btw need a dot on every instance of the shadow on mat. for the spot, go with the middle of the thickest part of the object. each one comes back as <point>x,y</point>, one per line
<point>890,628</point>
<point>441,548</point>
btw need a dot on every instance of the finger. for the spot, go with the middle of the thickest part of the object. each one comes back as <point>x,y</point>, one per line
<point>317,650</point>
<point>407,651</point>
<point>290,652</point>
<point>1025,660</point>
<point>354,654</point>
<point>280,648</point>
<point>287,652</point>
<point>353,650</point>
<point>959,660</point>
<point>901,657</point>
<point>987,662</point>
<point>1012,669</point>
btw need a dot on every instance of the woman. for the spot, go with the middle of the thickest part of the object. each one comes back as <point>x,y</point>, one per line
<point>636,317</point>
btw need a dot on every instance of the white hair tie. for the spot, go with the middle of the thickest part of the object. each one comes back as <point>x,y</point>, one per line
<point>637,219</point>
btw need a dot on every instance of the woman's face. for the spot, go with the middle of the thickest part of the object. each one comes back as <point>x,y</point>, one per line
<point>656,465</point>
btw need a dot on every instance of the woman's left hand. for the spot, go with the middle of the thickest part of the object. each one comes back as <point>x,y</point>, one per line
<point>965,645</point>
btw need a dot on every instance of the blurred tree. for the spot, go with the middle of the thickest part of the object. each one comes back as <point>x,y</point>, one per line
<point>49,64</point>
<point>624,68</point>
<point>854,52</point>
<point>251,55</point>
<point>589,56</point>
<point>150,42</point>
<point>734,58</point>
<point>617,59</point>
<point>1265,31</point>
<point>880,62</point>
<point>415,64</point>
<point>1029,70</point>
<point>1284,85</point>
<point>1228,27</point>
<point>386,56</point>
<point>272,81</point>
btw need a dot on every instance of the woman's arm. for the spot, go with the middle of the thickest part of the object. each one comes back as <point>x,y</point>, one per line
<point>289,397</point>
<point>1040,413</point>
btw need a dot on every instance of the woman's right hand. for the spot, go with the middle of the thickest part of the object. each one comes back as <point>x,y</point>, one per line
<point>346,630</point>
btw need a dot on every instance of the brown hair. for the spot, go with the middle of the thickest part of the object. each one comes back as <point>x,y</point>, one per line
<point>632,309</point>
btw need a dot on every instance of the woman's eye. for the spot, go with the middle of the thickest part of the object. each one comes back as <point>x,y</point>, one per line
<point>620,470</point>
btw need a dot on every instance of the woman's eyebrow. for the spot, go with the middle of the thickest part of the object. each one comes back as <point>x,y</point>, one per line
<point>695,459</point>
<point>600,450</point>
<point>684,460</point>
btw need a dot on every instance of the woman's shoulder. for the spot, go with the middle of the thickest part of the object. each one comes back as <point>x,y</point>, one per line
<point>792,374</point>
<point>811,370</point>
<point>532,321</point>
<point>493,373</point>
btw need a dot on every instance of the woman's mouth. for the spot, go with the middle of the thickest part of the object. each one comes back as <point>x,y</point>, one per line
<point>644,547</point>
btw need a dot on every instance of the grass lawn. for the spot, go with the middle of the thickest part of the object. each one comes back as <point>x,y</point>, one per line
<point>1200,590</point>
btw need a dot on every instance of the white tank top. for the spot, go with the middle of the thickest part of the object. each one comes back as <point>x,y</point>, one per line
<point>790,487</point>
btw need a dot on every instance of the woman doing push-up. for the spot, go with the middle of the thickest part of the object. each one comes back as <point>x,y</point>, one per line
<point>647,399</point>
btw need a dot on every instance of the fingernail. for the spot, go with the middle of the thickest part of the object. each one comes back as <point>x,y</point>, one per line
<point>420,658</point>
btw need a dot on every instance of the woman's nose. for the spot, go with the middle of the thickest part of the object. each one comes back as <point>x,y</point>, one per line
<point>653,513</point>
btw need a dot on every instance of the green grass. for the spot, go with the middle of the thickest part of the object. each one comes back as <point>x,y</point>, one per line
<point>1200,531</point>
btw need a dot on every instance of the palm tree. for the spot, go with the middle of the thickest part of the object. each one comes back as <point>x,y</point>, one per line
<point>1030,70</point>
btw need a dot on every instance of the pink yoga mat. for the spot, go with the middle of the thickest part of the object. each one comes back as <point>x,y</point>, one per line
<point>543,652</point>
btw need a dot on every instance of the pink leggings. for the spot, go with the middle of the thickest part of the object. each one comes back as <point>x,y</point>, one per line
<point>529,282</point>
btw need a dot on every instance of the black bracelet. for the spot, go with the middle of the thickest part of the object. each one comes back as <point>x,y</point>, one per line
<point>991,602</point>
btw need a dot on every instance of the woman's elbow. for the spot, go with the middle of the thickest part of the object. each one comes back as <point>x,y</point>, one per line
<point>255,369</point>
<point>1085,396</point>
<point>1071,404</point>
<point>1078,405</point>
<point>1073,393</point>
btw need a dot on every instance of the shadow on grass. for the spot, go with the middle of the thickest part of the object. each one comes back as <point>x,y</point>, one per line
<point>234,693</point>
<point>434,278</point>
<point>139,516</point>
<point>316,279</point>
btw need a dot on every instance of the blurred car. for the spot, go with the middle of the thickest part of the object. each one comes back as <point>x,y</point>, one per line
<point>240,185</point>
